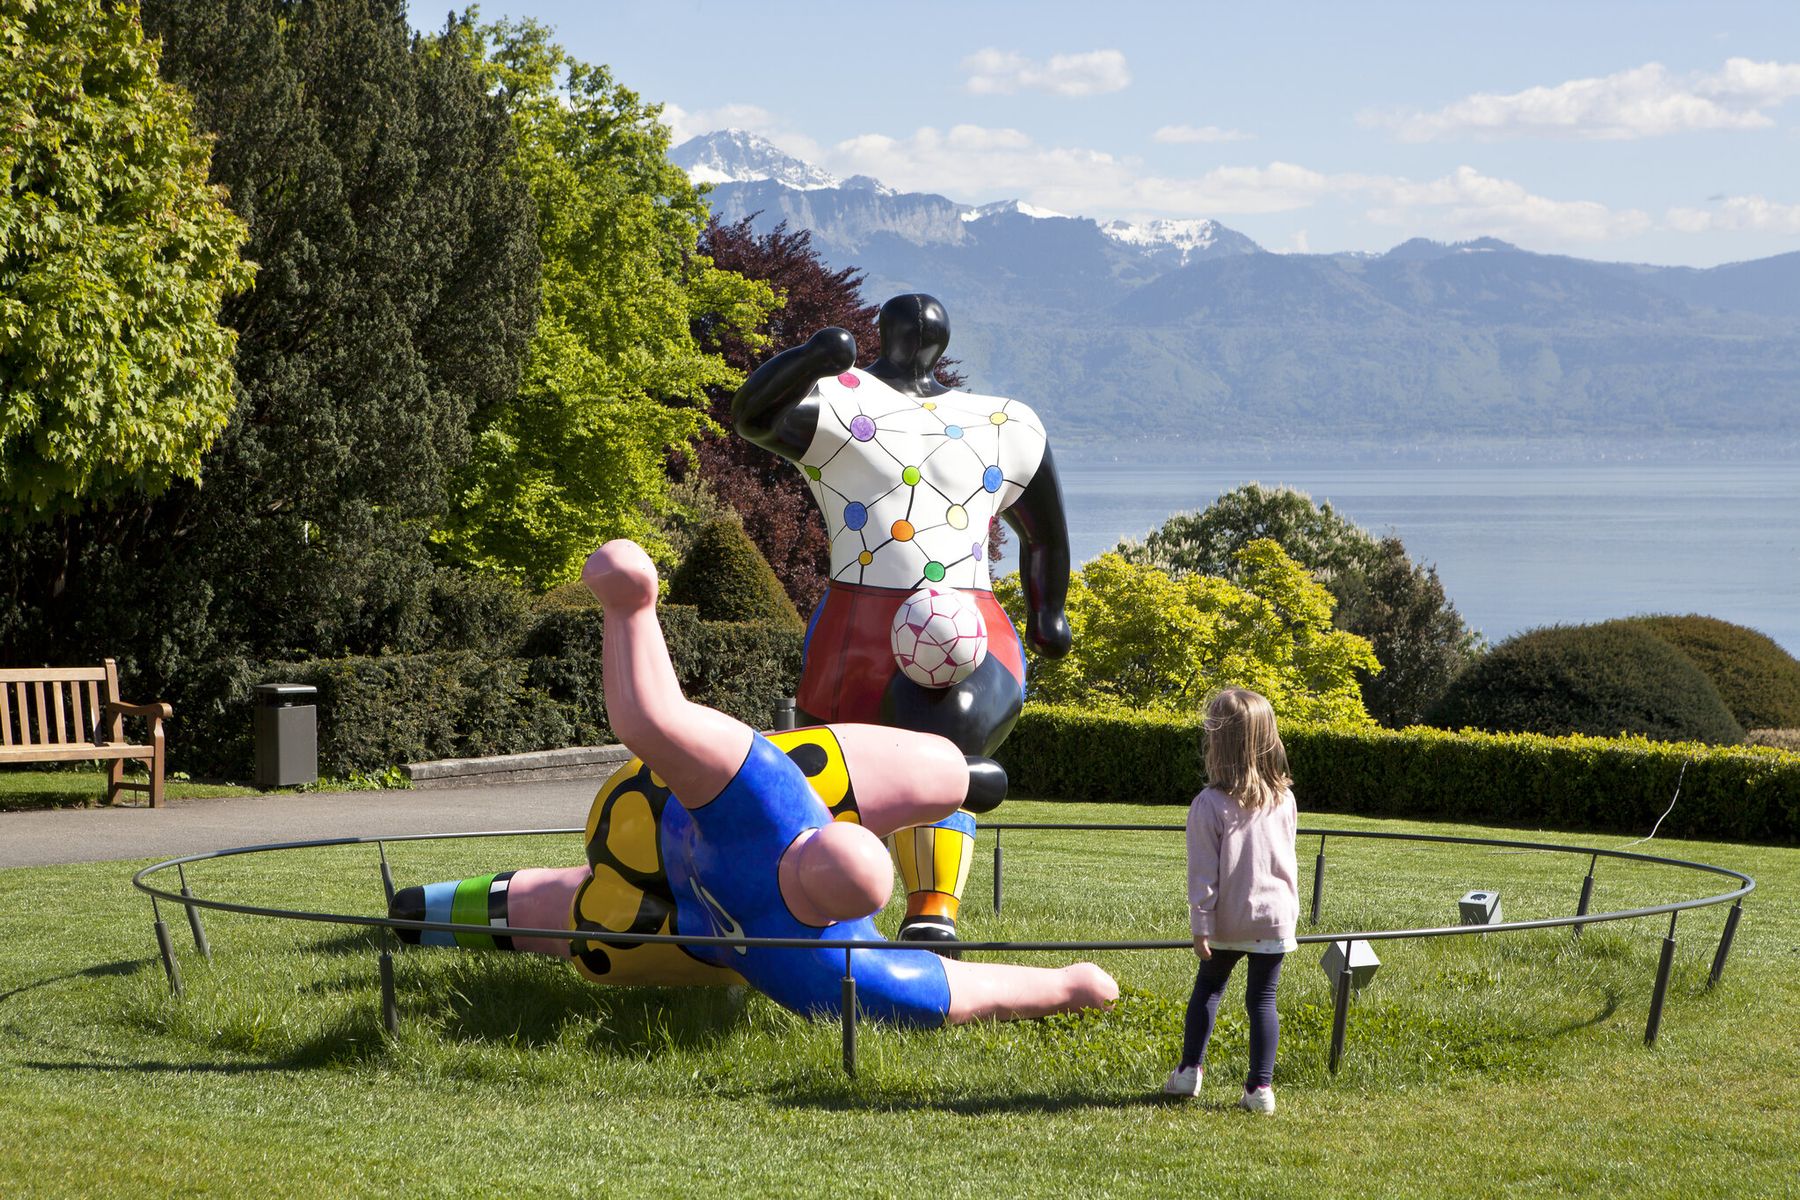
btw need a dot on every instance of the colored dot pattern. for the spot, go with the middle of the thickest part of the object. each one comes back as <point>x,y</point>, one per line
<point>906,484</point>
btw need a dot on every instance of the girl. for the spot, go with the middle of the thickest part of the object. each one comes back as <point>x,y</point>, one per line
<point>1242,890</point>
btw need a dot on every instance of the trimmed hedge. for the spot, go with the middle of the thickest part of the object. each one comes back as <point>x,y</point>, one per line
<point>1576,782</point>
<point>1759,681</point>
<point>377,712</point>
<point>1602,680</point>
<point>727,578</point>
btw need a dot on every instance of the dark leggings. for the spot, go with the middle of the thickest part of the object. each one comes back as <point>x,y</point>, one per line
<point>1259,1002</point>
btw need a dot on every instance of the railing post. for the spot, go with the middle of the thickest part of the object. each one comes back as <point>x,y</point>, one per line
<point>390,1006</point>
<point>1587,893</point>
<point>1340,1010</point>
<point>1318,896</point>
<point>387,875</point>
<point>849,1008</point>
<point>997,861</point>
<point>193,916</point>
<point>1731,922</point>
<point>1661,992</point>
<point>170,966</point>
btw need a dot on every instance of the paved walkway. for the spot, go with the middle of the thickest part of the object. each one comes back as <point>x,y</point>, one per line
<point>74,835</point>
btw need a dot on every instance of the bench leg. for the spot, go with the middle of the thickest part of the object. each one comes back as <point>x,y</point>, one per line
<point>115,779</point>
<point>156,766</point>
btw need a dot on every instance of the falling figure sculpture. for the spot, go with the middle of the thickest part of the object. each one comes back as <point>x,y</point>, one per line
<point>727,834</point>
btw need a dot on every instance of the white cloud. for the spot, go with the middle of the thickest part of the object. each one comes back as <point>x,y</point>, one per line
<point>1466,203</point>
<point>1003,72</point>
<point>1181,135</point>
<point>1738,214</point>
<point>1646,101</point>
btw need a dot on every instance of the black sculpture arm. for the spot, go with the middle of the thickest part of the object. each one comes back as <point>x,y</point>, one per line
<point>772,408</point>
<point>1037,517</point>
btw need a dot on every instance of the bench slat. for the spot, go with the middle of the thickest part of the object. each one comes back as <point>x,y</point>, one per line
<point>94,713</point>
<point>6,736</point>
<point>59,732</point>
<point>46,674</point>
<point>70,753</point>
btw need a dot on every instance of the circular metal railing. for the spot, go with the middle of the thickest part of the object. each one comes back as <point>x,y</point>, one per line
<point>1341,982</point>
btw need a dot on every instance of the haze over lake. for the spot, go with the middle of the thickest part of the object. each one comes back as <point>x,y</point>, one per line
<point>1519,538</point>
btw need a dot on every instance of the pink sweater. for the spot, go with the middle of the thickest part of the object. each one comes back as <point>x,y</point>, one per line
<point>1242,877</point>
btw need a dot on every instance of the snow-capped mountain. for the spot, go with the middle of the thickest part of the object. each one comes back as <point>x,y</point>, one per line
<point>739,156</point>
<point>1182,241</point>
<point>1012,206</point>
<point>751,174</point>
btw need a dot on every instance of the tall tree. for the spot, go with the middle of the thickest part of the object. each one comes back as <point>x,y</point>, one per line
<point>115,254</point>
<point>615,376</point>
<point>395,297</point>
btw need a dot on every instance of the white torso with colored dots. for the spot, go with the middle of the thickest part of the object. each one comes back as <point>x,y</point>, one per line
<point>907,486</point>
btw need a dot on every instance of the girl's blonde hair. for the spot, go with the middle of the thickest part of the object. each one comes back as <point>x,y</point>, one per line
<point>1244,755</point>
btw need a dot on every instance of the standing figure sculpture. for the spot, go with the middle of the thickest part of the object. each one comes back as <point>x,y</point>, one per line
<point>908,475</point>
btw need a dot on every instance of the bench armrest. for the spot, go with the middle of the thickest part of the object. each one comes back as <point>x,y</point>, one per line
<point>158,711</point>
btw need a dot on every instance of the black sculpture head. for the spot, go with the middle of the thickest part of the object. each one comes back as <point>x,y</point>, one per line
<point>914,331</point>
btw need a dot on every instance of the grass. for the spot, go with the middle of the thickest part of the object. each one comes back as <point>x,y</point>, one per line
<point>85,787</point>
<point>23,789</point>
<point>1475,1066</point>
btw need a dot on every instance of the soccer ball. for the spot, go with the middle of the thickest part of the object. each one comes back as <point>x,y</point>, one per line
<point>939,637</point>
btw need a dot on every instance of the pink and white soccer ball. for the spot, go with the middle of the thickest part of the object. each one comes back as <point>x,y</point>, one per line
<point>939,637</point>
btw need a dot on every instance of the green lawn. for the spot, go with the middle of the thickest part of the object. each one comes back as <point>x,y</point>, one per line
<point>1475,1066</point>
<point>85,787</point>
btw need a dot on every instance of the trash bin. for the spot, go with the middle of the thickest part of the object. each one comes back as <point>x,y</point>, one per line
<point>287,734</point>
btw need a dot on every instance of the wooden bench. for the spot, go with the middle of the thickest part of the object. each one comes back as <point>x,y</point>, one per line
<point>71,714</point>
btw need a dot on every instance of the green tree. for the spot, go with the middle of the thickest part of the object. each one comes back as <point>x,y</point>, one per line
<point>615,378</point>
<point>1382,595</point>
<point>1148,640</point>
<point>115,255</point>
<point>1207,542</point>
<point>395,297</point>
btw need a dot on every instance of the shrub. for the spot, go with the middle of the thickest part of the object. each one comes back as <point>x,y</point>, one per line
<point>376,712</point>
<point>1758,680</point>
<point>1145,640</point>
<point>1575,782</point>
<point>726,577</point>
<point>1781,739</point>
<point>1596,679</point>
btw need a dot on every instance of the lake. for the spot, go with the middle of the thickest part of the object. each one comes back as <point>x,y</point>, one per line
<point>1517,542</point>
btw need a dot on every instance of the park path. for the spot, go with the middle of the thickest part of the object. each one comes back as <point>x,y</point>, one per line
<point>77,835</point>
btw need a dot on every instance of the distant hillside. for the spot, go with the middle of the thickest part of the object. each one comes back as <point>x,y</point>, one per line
<point>1176,330</point>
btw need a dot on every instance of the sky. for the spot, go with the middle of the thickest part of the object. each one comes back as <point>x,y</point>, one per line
<point>1645,132</point>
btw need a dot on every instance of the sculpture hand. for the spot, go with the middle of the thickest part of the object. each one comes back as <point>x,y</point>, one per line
<point>832,350</point>
<point>1049,633</point>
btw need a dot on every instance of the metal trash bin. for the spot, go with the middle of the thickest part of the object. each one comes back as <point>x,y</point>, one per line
<point>287,734</point>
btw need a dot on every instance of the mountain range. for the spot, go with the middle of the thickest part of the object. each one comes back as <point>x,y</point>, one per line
<point>1188,331</point>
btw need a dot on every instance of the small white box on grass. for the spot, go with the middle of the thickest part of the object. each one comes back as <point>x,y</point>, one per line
<point>1480,908</point>
<point>1361,957</point>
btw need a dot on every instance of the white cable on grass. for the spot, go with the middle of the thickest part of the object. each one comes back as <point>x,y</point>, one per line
<point>1666,811</point>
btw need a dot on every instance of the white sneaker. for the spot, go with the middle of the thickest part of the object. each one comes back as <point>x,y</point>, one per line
<point>1183,1081</point>
<point>1262,1100</point>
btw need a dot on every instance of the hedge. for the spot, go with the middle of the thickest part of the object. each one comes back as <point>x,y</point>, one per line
<point>376,712</point>
<point>1739,793</point>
